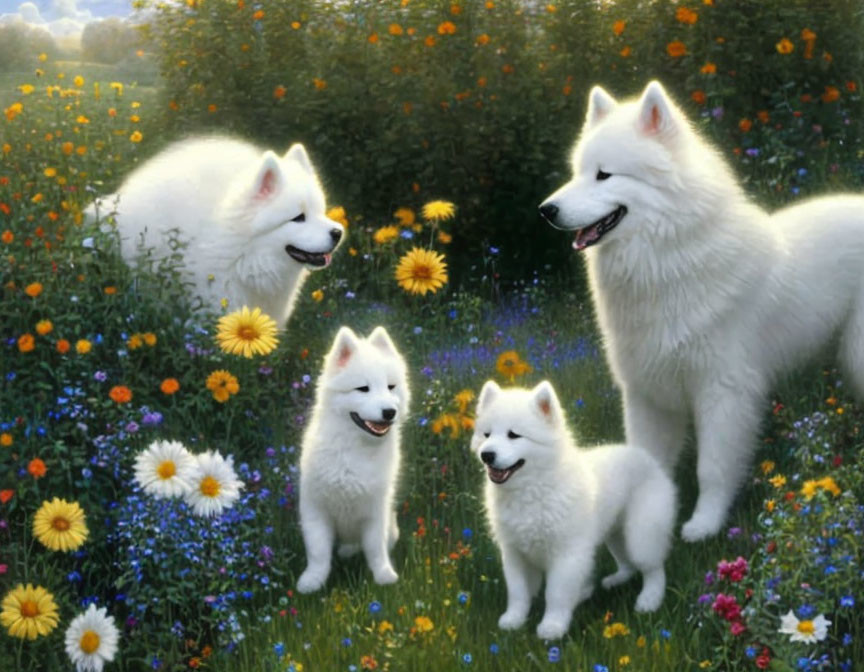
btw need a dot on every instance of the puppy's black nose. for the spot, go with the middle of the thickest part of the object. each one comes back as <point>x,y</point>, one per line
<point>335,235</point>
<point>488,456</point>
<point>549,212</point>
<point>388,413</point>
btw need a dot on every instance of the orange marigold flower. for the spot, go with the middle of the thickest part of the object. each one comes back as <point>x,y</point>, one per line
<point>320,84</point>
<point>831,94</point>
<point>6,439</point>
<point>619,26</point>
<point>83,346</point>
<point>446,28</point>
<point>784,46</point>
<point>395,29</point>
<point>120,394</point>
<point>429,41</point>
<point>483,39</point>
<point>110,290</point>
<point>763,116</point>
<point>257,16</point>
<point>698,97</point>
<point>36,468</point>
<point>676,49</point>
<point>625,52</point>
<point>169,386</point>
<point>745,125</point>
<point>63,346</point>
<point>808,35</point>
<point>8,236</point>
<point>44,327</point>
<point>373,38</point>
<point>6,495</point>
<point>33,290</point>
<point>67,148</point>
<point>455,9</point>
<point>26,343</point>
<point>708,69</point>
<point>851,86</point>
<point>685,15</point>
<point>279,92</point>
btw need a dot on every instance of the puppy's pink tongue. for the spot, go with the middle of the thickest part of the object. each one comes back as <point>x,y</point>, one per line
<point>327,258</point>
<point>585,237</point>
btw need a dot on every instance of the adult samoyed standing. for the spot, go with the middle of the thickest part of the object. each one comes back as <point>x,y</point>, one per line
<point>253,223</point>
<point>703,298</point>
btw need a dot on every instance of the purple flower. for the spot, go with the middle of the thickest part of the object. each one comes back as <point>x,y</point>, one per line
<point>101,376</point>
<point>733,532</point>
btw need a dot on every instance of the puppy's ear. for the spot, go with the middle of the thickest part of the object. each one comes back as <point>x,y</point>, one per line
<point>546,402</point>
<point>488,394</point>
<point>600,104</point>
<point>269,179</point>
<point>381,340</point>
<point>297,153</point>
<point>657,114</point>
<point>344,348</point>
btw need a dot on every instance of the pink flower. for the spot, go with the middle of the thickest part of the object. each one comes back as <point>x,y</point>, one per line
<point>737,628</point>
<point>727,607</point>
<point>4,569</point>
<point>734,571</point>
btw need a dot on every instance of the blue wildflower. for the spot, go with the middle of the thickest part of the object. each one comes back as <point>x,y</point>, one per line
<point>374,607</point>
<point>493,649</point>
<point>600,668</point>
<point>346,642</point>
<point>554,654</point>
<point>462,597</point>
<point>466,658</point>
<point>847,601</point>
<point>279,649</point>
<point>806,611</point>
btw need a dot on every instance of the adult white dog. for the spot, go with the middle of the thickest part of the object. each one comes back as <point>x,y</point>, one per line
<point>551,504</point>
<point>253,223</point>
<point>703,297</point>
<point>350,458</point>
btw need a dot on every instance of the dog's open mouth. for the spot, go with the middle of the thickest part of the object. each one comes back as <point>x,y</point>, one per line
<point>372,427</point>
<point>316,259</point>
<point>499,476</point>
<point>591,235</point>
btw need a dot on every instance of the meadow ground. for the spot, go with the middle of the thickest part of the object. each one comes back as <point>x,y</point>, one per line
<point>218,594</point>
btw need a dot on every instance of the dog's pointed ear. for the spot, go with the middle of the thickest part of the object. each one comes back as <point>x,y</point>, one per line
<point>269,179</point>
<point>344,347</point>
<point>488,394</point>
<point>297,153</point>
<point>381,340</point>
<point>600,104</point>
<point>656,111</point>
<point>546,401</point>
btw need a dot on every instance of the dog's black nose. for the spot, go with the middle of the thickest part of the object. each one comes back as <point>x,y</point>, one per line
<point>488,456</point>
<point>549,211</point>
<point>388,413</point>
<point>335,235</point>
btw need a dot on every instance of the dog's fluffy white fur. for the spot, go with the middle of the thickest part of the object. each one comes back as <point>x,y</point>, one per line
<point>241,213</point>
<point>703,297</point>
<point>350,459</point>
<point>550,504</point>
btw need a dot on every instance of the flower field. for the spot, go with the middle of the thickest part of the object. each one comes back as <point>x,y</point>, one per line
<point>149,448</point>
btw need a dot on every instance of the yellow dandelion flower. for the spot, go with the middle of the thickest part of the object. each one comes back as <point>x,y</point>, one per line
<point>463,398</point>
<point>78,81</point>
<point>424,624</point>
<point>615,630</point>
<point>767,466</point>
<point>247,333</point>
<point>26,89</point>
<point>28,612</point>
<point>830,485</point>
<point>405,216</point>
<point>421,271</point>
<point>137,136</point>
<point>809,489</point>
<point>60,525</point>
<point>447,421</point>
<point>337,214</point>
<point>438,211</point>
<point>386,234</point>
<point>777,481</point>
<point>318,295</point>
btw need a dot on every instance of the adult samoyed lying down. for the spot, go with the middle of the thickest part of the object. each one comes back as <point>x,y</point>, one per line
<point>350,458</point>
<point>551,503</point>
<point>703,298</point>
<point>253,222</point>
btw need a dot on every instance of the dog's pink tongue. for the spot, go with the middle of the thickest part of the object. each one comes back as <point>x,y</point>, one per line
<point>327,259</point>
<point>584,237</point>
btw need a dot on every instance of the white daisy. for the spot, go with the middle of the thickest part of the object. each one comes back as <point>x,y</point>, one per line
<point>165,469</point>
<point>804,631</point>
<point>215,486</point>
<point>91,639</point>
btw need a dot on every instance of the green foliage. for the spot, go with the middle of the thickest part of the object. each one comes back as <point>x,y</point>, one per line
<point>484,116</point>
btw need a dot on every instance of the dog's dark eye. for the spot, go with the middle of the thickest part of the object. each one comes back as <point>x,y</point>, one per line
<point>302,217</point>
<point>364,388</point>
<point>391,387</point>
<point>601,175</point>
<point>486,434</point>
<point>513,435</point>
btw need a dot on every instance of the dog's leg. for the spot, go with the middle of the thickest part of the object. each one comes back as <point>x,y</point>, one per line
<point>615,544</point>
<point>657,430</point>
<point>727,421</point>
<point>318,535</point>
<point>375,538</point>
<point>523,582</point>
<point>392,532</point>
<point>566,584</point>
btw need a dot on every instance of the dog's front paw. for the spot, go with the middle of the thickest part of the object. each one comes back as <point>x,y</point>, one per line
<point>551,629</point>
<point>649,600</point>
<point>700,526</point>
<point>510,620</point>
<point>386,576</point>
<point>310,581</point>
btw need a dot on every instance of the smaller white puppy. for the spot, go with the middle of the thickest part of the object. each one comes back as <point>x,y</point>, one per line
<point>350,459</point>
<point>551,503</point>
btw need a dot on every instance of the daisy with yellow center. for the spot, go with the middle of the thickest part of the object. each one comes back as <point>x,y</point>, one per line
<point>421,271</point>
<point>60,525</point>
<point>438,211</point>
<point>222,384</point>
<point>165,469</point>
<point>807,631</point>
<point>247,333</point>
<point>91,639</point>
<point>28,613</point>
<point>215,485</point>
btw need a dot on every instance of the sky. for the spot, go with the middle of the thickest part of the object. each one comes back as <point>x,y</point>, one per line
<point>62,18</point>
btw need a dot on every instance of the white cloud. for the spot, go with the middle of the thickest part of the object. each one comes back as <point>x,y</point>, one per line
<point>30,13</point>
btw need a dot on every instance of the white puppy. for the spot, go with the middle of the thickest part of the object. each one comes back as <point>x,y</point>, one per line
<point>703,298</point>
<point>252,222</point>
<point>551,503</point>
<point>350,459</point>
